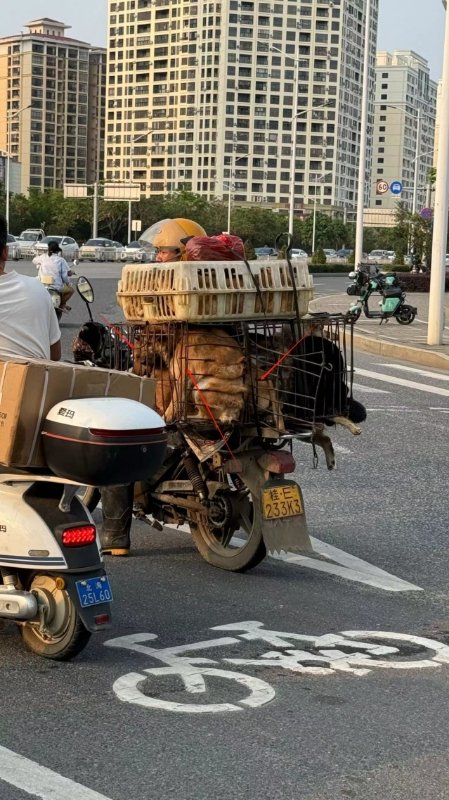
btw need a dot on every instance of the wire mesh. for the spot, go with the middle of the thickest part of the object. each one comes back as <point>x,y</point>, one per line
<point>272,377</point>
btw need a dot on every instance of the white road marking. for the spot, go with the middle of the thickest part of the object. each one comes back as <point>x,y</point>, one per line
<point>438,376</point>
<point>346,566</point>
<point>343,450</point>
<point>191,670</point>
<point>421,387</point>
<point>39,781</point>
<point>369,389</point>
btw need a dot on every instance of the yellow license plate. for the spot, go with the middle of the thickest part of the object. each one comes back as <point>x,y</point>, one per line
<point>279,502</point>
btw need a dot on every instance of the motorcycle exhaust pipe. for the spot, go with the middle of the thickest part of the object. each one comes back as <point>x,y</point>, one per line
<point>18,605</point>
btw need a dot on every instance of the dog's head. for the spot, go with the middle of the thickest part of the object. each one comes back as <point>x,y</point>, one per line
<point>93,334</point>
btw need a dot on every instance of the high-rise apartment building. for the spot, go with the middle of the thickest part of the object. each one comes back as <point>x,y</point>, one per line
<point>57,86</point>
<point>404,128</point>
<point>201,95</point>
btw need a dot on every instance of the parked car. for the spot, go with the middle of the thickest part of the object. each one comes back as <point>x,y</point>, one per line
<point>98,250</point>
<point>345,252</point>
<point>134,251</point>
<point>119,250</point>
<point>390,255</point>
<point>298,253</point>
<point>378,255</point>
<point>265,252</point>
<point>69,248</point>
<point>13,247</point>
<point>330,254</point>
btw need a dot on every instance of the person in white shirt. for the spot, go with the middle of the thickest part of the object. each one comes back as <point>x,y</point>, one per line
<point>28,324</point>
<point>54,272</point>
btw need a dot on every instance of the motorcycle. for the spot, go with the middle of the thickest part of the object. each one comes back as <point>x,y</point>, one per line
<point>53,583</point>
<point>226,482</point>
<point>393,297</point>
<point>55,295</point>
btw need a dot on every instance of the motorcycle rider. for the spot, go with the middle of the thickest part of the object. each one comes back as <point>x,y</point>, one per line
<point>28,324</point>
<point>166,237</point>
<point>54,273</point>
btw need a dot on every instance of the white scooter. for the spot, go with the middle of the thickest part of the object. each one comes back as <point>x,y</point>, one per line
<point>53,582</point>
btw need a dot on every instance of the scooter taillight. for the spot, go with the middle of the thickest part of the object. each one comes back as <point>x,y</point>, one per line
<point>79,536</point>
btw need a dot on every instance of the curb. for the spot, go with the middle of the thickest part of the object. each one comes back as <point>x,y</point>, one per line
<point>426,358</point>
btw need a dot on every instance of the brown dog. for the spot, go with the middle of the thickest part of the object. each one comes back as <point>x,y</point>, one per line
<point>209,362</point>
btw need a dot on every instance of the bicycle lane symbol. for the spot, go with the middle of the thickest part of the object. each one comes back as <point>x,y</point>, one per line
<point>192,672</point>
<point>347,651</point>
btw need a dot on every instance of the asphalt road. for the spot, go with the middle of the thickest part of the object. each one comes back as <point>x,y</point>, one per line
<point>320,725</point>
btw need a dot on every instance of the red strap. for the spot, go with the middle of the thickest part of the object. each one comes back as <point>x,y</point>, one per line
<point>210,412</point>
<point>281,359</point>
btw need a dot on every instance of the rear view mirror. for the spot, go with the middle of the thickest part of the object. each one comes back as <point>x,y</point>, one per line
<point>85,289</point>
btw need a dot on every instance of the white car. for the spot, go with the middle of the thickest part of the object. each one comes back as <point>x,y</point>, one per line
<point>378,255</point>
<point>98,250</point>
<point>69,248</point>
<point>13,248</point>
<point>330,253</point>
<point>297,253</point>
<point>134,251</point>
<point>119,250</point>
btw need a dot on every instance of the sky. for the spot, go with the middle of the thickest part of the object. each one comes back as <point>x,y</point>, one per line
<point>403,24</point>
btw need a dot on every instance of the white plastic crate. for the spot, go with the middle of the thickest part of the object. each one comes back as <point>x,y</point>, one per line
<point>209,291</point>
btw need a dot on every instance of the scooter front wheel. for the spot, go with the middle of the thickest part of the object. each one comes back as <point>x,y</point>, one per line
<point>59,633</point>
<point>238,544</point>
<point>406,315</point>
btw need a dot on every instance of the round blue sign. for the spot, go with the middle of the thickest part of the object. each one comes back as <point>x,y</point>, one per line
<point>426,213</point>
<point>396,187</point>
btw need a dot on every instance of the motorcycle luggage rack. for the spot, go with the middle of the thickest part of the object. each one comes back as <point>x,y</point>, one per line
<point>268,378</point>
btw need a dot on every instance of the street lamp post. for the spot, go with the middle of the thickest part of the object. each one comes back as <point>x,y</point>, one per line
<point>295,115</point>
<point>293,161</point>
<point>323,179</point>
<point>234,161</point>
<point>438,271</point>
<point>131,156</point>
<point>363,141</point>
<point>9,117</point>
<point>416,160</point>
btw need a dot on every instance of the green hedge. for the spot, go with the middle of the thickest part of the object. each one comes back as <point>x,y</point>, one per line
<point>418,283</point>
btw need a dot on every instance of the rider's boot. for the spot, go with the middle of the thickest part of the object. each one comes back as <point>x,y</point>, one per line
<point>117,503</point>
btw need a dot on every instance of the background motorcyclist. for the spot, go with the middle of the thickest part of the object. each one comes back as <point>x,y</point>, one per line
<point>54,273</point>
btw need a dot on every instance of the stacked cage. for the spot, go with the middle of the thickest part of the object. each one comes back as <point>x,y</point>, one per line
<point>266,378</point>
<point>231,346</point>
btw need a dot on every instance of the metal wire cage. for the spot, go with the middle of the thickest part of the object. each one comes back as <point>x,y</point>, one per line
<point>270,377</point>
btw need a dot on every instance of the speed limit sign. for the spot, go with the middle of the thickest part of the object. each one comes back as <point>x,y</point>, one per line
<point>382,187</point>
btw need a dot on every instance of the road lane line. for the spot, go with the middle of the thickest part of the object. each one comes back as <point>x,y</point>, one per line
<point>425,373</point>
<point>369,389</point>
<point>421,387</point>
<point>348,566</point>
<point>40,781</point>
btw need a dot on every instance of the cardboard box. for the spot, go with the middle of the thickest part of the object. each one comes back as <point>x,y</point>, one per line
<point>28,389</point>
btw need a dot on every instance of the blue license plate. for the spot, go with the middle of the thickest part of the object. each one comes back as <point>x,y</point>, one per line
<point>93,591</point>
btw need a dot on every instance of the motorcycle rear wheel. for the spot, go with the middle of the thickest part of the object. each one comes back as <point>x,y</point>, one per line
<point>63,635</point>
<point>405,316</point>
<point>225,549</point>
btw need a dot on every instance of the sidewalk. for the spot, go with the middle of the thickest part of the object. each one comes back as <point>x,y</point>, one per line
<point>408,342</point>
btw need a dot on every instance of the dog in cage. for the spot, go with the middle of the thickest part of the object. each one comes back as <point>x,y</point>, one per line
<point>207,372</point>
